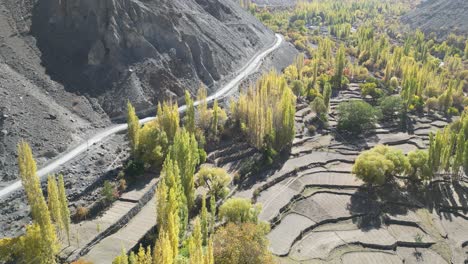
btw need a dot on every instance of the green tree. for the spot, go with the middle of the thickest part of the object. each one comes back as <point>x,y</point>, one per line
<point>53,202</point>
<point>297,87</point>
<point>153,144</point>
<point>268,108</point>
<point>186,153</point>
<point>64,211</point>
<point>108,192</point>
<point>391,107</point>
<point>168,119</point>
<point>171,205</point>
<point>339,66</point>
<point>466,50</point>
<point>209,254</point>
<point>418,164</point>
<point>204,115</point>
<point>239,210</point>
<point>195,244</point>
<point>356,116</point>
<point>121,259</point>
<point>215,118</point>
<point>377,165</point>
<point>327,92</point>
<point>190,113</point>
<point>204,220</point>
<point>133,127</point>
<point>213,212</point>
<point>47,246</point>
<point>320,108</point>
<point>215,180</point>
<point>163,253</point>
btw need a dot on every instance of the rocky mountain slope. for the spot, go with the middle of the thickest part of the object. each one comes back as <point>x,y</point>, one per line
<point>67,67</point>
<point>440,16</point>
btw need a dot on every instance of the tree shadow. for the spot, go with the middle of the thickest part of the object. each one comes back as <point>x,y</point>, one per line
<point>376,203</point>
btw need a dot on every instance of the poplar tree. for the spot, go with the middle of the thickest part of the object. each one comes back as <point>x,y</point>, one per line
<point>213,212</point>
<point>64,211</point>
<point>267,111</point>
<point>133,127</point>
<point>48,244</point>
<point>204,220</point>
<point>53,202</point>
<point>168,119</point>
<point>215,118</point>
<point>190,113</point>
<point>466,50</point>
<point>195,244</point>
<point>209,255</point>
<point>465,158</point>
<point>339,66</point>
<point>204,115</point>
<point>163,253</point>
<point>327,91</point>
<point>185,152</point>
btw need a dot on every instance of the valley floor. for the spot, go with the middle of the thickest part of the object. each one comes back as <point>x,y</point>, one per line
<point>320,213</point>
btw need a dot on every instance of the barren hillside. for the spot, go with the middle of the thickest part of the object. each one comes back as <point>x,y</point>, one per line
<point>440,16</point>
<point>67,66</point>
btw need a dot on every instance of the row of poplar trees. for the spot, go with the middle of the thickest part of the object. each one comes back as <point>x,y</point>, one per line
<point>51,218</point>
<point>178,149</point>
<point>265,113</point>
<point>448,149</point>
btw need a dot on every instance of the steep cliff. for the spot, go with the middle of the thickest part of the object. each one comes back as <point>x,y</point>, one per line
<point>144,51</point>
<point>67,67</point>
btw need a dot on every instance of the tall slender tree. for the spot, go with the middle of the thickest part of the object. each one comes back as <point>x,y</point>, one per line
<point>195,244</point>
<point>215,118</point>
<point>64,211</point>
<point>133,127</point>
<point>204,220</point>
<point>40,213</point>
<point>185,152</point>
<point>54,202</point>
<point>190,113</point>
<point>339,66</point>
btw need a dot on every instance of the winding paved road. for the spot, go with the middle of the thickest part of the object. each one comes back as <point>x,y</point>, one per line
<point>248,69</point>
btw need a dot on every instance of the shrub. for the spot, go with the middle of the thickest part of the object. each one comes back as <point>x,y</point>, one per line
<point>122,185</point>
<point>393,84</point>
<point>356,116</point>
<point>81,212</point>
<point>371,89</point>
<point>108,192</point>
<point>239,210</point>
<point>431,104</point>
<point>312,129</point>
<point>453,111</point>
<point>391,106</point>
<point>215,180</point>
<point>319,107</point>
<point>297,87</point>
<point>134,168</point>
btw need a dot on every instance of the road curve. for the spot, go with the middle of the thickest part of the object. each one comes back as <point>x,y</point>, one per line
<point>248,69</point>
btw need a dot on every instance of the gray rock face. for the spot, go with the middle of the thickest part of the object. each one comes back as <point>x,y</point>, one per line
<point>439,16</point>
<point>144,51</point>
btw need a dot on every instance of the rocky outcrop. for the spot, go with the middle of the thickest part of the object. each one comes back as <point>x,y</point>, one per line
<point>439,16</point>
<point>144,51</point>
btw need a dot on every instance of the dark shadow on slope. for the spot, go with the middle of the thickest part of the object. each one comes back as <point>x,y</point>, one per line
<point>377,202</point>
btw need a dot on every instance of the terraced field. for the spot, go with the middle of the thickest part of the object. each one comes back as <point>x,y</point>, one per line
<point>320,213</point>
